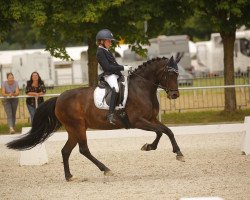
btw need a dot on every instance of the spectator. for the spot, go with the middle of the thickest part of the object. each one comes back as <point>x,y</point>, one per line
<point>35,88</point>
<point>10,90</point>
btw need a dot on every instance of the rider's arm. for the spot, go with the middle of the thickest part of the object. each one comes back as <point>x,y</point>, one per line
<point>3,91</point>
<point>105,64</point>
<point>16,93</point>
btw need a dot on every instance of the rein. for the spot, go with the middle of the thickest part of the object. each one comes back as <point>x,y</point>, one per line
<point>158,85</point>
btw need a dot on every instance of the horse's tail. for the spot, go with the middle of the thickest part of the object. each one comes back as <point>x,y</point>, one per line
<point>44,124</point>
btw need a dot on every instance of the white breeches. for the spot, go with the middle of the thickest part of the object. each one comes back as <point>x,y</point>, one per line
<point>112,81</point>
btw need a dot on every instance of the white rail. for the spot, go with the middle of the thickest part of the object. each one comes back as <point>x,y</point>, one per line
<point>213,87</point>
<point>181,88</point>
<point>159,90</point>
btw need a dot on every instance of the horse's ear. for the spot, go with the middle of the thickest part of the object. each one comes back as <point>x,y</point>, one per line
<point>178,57</point>
<point>171,61</point>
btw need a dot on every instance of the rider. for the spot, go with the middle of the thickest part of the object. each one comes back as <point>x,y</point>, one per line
<point>112,70</point>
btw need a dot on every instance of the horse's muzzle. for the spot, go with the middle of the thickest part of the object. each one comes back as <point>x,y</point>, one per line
<point>173,94</point>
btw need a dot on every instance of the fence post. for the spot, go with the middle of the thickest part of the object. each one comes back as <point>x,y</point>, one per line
<point>36,100</point>
<point>245,145</point>
<point>35,156</point>
<point>159,100</point>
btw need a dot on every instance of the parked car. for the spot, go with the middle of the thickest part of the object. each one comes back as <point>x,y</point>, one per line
<point>184,77</point>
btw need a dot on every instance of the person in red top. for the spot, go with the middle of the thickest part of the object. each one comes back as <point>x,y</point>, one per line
<point>35,87</point>
<point>111,69</point>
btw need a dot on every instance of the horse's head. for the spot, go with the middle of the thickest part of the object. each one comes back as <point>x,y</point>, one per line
<point>171,73</point>
<point>159,72</point>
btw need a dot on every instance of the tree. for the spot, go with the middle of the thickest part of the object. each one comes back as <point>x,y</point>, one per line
<point>10,13</point>
<point>225,16</point>
<point>60,22</point>
<point>23,36</point>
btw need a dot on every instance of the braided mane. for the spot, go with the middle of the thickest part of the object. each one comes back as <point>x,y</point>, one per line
<point>149,62</point>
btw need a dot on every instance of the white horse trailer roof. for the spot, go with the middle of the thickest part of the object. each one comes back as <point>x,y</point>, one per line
<point>6,56</point>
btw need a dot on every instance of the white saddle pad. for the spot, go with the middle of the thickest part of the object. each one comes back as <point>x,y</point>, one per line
<point>100,102</point>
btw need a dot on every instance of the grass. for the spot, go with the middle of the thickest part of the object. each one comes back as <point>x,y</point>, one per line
<point>205,117</point>
<point>202,117</point>
<point>218,81</point>
<point>4,129</point>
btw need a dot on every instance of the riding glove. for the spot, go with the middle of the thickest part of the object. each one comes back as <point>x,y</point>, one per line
<point>127,68</point>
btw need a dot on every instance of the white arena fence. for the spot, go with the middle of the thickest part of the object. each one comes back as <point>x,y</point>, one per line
<point>191,99</point>
<point>38,155</point>
<point>205,98</point>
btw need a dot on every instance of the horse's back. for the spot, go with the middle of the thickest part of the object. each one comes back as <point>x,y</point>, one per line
<point>74,94</point>
<point>72,103</point>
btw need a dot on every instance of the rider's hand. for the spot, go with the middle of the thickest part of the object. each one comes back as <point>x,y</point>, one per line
<point>127,68</point>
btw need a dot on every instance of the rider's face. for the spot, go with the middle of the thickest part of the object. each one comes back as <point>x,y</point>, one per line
<point>107,43</point>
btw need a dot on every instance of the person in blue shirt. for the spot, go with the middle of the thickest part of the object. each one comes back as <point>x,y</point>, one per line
<point>10,90</point>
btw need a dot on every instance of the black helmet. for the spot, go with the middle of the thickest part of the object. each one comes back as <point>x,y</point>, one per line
<point>104,34</point>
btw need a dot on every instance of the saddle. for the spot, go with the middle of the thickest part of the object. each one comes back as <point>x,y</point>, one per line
<point>102,94</point>
<point>102,97</point>
<point>108,90</point>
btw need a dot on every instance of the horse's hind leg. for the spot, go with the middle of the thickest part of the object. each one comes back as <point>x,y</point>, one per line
<point>84,150</point>
<point>66,151</point>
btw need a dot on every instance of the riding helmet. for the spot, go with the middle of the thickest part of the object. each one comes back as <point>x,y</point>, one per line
<point>104,34</point>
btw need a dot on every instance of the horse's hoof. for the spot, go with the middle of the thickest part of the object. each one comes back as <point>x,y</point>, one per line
<point>180,158</point>
<point>108,173</point>
<point>71,179</point>
<point>146,147</point>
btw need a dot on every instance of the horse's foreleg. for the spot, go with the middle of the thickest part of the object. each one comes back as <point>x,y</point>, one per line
<point>66,151</point>
<point>154,144</point>
<point>175,146</point>
<point>159,128</point>
<point>149,126</point>
<point>84,150</point>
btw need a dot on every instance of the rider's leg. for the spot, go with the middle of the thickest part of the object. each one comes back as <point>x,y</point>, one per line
<point>112,106</point>
<point>112,81</point>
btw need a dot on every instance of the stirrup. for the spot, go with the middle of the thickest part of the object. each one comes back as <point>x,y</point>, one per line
<point>111,118</point>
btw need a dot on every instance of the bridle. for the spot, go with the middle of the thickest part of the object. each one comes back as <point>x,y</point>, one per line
<point>167,89</point>
<point>165,72</point>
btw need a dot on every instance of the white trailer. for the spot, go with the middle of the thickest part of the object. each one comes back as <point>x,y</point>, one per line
<point>171,45</point>
<point>23,65</point>
<point>164,46</point>
<point>210,53</point>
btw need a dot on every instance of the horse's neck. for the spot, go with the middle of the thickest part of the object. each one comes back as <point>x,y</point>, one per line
<point>140,85</point>
<point>145,76</point>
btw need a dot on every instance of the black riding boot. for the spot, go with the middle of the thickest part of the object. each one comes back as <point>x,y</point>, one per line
<point>112,107</point>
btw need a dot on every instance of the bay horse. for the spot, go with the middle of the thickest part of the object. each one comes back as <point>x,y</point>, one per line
<point>76,111</point>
